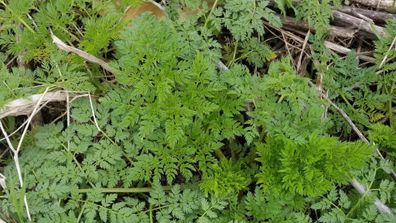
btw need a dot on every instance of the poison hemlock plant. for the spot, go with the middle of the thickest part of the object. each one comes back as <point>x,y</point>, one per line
<point>286,105</point>
<point>14,84</point>
<point>266,206</point>
<point>384,138</point>
<point>250,16</point>
<point>25,34</point>
<point>176,108</point>
<point>311,168</point>
<point>226,177</point>
<point>169,137</point>
<point>351,87</point>
<point>341,205</point>
<point>386,66</point>
<point>317,14</point>
<point>164,122</point>
<point>256,52</point>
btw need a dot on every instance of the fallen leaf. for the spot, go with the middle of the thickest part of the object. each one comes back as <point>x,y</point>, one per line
<point>184,13</point>
<point>149,6</point>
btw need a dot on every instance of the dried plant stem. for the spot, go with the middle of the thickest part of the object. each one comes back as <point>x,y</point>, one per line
<point>330,45</point>
<point>23,124</point>
<point>93,113</point>
<point>18,168</point>
<point>2,181</point>
<point>343,50</point>
<point>334,31</point>
<point>68,116</point>
<point>378,203</point>
<point>91,58</point>
<point>30,119</point>
<point>302,50</point>
<point>16,151</point>
<point>387,53</point>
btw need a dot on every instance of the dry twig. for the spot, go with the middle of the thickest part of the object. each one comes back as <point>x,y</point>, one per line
<point>2,181</point>
<point>302,51</point>
<point>330,45</point>
<point>343,50</point>
<point>387,53</point>
<point>387,5</point>
<point>377,16</point>
<point>93,113</point>
<point>382,208</point>
<point>70,49</point>
<point>358,23</point>
<point>335,31</point>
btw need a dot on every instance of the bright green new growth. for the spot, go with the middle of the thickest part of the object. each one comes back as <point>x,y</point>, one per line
<point>311,168</point>
<point>226,178</point>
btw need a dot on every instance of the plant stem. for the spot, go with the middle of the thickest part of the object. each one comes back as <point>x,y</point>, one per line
<point>81,212</point>
<point>220,154</point>
<point>18,17</point>
<point>151,213</point>
<point>122,190</point>
<point>210,13</point>
<point>234,54</point>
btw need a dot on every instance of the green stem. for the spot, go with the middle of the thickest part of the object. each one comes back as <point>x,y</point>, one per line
<point>220,154</point>
<point>206,211</point>
<point>234,54</point>
<point>210,13</point>
<point>81,212</point>
<point>76,162</point>
<point>363,196</point>
<point>122,190</point>
<point>151,213</point>
<point>18,17</point>
<point>157,208</point>
<point>346,101</point>
<point>390,108</point>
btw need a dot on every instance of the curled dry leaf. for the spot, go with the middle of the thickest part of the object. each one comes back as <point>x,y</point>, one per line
<point>148,6</point>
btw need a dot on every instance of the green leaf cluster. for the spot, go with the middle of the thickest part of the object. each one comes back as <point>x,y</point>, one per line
<point>172,136</point>
<point>286,105</point>
<point>308,169</point>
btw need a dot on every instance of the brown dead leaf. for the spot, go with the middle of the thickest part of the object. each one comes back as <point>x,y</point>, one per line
<point>184,13</point>
<point>149,6</point>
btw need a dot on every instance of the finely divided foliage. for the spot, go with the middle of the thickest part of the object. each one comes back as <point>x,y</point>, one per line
<point>170,137</point>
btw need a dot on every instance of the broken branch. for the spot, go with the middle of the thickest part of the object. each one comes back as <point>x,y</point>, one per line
<point>386,5</point>
<point>358,23</point>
